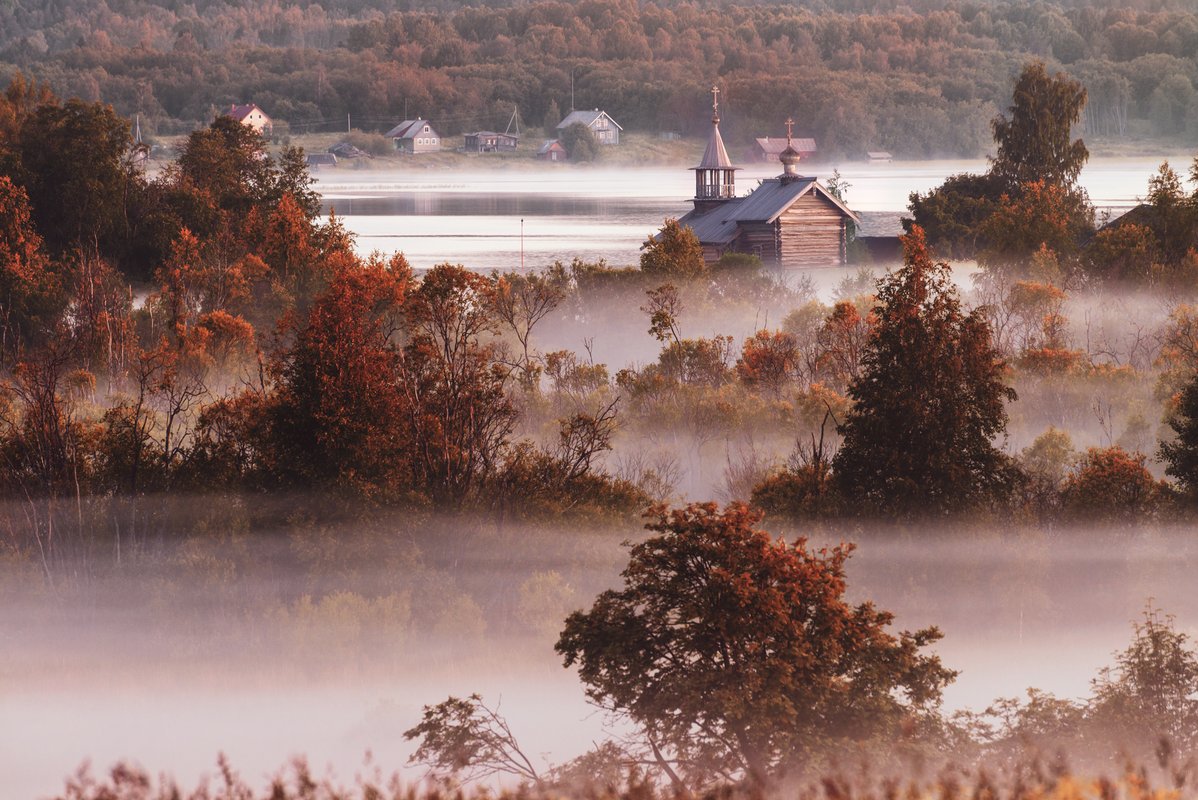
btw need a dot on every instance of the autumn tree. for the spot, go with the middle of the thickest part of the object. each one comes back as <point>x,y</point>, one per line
<point>81,151</point>
<point>20,99</point>
<point>840,342</point>
<point>45,444</point>
<point>1112,485</point>
<point>952,214</point>
<point>1123,254</point>
<point>919,438</point>
<point>738,655</point>
<point>1041,215</point>
<point>226,168</point>
<point>674,253</point>
<point>769,359</point>
<point>29,290</point>
<point>454,400</point>
<point>333,417</point>
<point>664,308</point>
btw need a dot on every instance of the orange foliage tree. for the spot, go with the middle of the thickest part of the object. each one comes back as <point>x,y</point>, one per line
<point>737,654</point>
<point>1111,484</point>
<point>1041,215</point>
<point>28,287</point>
<point>769,360</point>
<point>333,418</point>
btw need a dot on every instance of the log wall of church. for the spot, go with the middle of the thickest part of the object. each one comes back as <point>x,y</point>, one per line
<point>811,233</point>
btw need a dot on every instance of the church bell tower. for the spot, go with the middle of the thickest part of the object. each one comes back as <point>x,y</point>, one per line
<point>715,177</point>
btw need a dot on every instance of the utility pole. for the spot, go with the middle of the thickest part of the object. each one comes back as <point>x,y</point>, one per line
<point>522,244</point>
<point>571,88</point>
<point>348,127</point>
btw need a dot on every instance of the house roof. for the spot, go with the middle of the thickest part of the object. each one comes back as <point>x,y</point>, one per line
<point>586,118</point>
<point>322,159</point>
<point>407,129</point>
<point>239,113</point>
<point>549,145</point>
<point>764,204</point>
<point>878,154</point>
<point>492,133</point>
<point>1142,214</point>
<point>773,146</point>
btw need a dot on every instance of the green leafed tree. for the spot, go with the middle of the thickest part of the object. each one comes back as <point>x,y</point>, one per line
<point>77,167</point>
<point>929,401</point>
<point>675,252</point>
<point>1035,140</point>
<point>738,655</point>
<point>580,142</point>
<point>1152,692</point>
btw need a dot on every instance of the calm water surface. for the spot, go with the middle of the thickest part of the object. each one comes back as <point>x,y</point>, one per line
<point>504,218</point>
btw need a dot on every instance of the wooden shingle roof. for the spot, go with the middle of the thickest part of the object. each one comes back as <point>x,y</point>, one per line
<point>764,204</point>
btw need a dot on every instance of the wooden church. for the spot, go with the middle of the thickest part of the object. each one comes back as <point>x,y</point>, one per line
<point>790,221</point>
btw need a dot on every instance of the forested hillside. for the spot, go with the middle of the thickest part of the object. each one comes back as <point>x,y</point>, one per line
<point>858,76</point>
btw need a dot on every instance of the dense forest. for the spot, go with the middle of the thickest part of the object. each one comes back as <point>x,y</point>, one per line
<point>917,80</point>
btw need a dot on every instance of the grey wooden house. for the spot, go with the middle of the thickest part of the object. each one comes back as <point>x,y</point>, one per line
<point>490,142</point>
<point>606,129</point>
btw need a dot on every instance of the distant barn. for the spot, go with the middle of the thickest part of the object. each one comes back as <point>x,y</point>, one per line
<point>490,142</point>
<point>790,221</point>
<point>553,150</point>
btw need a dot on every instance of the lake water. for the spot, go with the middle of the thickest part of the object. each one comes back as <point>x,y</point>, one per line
<point>506,218</point>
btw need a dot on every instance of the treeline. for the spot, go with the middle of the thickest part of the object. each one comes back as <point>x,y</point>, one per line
<point>916,82</point>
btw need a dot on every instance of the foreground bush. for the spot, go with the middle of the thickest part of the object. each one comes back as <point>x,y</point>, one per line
<point>1033,779</point>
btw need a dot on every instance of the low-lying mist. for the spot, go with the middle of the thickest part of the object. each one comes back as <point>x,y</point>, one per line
<point>326,639</point>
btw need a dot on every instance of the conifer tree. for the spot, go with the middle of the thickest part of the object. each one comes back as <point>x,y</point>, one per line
<point>929,400</point>
<point>1181,454</point>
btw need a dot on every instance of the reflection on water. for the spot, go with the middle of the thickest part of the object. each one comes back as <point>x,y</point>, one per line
<point>506,218</point>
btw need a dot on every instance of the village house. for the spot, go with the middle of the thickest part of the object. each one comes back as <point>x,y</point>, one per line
<point>490,142</point>
<point>767,149</point>
<point>790,221</point>
<point>553,150</point>
<point>252,117</point>
<point>415,136</point>
<point>606,130</point>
